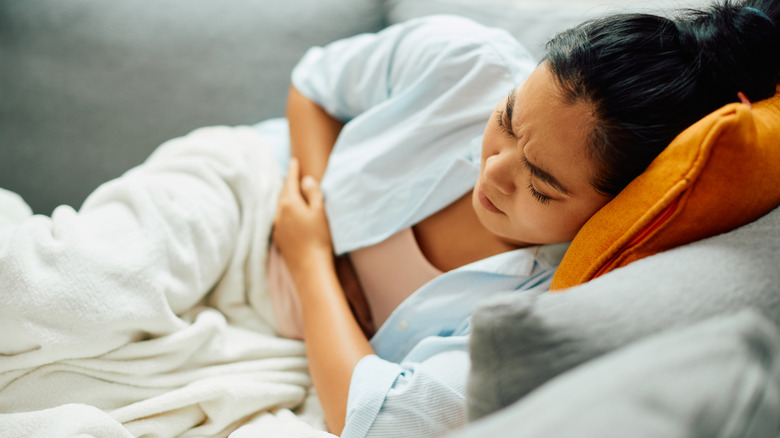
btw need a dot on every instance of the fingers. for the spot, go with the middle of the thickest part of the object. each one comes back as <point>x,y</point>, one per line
<point>290,192</point>
<point>296,188</point>
<point>293,175</point>
<point>300,223</point>
<point>311,191</point>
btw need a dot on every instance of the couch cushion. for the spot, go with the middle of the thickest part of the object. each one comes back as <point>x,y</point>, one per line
<point>720,377</point>
<point>533,23</point>
<point>720,173</point>
<point>521,340</point>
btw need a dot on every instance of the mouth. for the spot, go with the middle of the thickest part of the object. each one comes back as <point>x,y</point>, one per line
<point>485,201</point>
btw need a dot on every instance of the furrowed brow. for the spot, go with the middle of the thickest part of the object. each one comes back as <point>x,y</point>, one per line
<point>546,177</point>
<point>510,106</point>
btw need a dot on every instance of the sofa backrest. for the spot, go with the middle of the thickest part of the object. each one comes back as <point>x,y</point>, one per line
<point>91,87</point>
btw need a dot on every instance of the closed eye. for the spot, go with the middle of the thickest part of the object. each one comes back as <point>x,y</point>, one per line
<point>504,125</point>
<point>541,197</point>
<point>545,176</point>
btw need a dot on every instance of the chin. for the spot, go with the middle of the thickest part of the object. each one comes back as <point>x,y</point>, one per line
<point>522,241</point>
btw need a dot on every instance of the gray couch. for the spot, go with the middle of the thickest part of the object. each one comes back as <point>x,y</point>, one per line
<point>88,88</point>
<point>91,87</point>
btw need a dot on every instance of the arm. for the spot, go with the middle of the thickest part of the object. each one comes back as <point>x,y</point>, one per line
<point>335,342</point>
<point>313,133</point>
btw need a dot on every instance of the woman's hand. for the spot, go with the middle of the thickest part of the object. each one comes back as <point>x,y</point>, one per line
<point>301,231</point>
<point>302,234</point>
<point>301,226</point>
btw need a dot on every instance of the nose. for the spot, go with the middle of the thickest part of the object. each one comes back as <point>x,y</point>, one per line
<point>499,172</point>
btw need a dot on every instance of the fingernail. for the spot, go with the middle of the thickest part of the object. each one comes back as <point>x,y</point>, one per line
<point>308,181</point>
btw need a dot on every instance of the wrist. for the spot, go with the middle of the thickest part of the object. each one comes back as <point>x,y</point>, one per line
<point>311,267</point>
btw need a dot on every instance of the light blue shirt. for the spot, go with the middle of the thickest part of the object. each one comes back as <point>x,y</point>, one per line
<point>416,97</point>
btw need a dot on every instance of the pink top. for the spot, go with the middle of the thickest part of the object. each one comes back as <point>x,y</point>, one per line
<point>388,272</point>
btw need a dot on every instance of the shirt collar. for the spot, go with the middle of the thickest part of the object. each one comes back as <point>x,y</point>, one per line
<point>551,255</point>
<point>520,262</point>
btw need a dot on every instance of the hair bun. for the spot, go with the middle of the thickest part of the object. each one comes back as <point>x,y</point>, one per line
<point>735,47</point>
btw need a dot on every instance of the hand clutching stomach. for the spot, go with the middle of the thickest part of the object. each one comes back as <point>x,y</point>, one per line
<point>301,226</point>
<point>302,234</point>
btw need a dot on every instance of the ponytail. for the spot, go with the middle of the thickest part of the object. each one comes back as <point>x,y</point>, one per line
<point>648,77</point>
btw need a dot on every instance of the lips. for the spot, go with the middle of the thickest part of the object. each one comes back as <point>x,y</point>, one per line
<point>485,201</point>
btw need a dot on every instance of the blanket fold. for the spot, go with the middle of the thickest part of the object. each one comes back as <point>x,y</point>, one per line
<point>145,312</point>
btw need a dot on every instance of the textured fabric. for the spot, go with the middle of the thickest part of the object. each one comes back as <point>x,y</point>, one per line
<point>716,378</point>
<point>426,400</point>
<point>149,303</point>
<point>417,95</point>
<point>520,342</point>
<point>687,193</point>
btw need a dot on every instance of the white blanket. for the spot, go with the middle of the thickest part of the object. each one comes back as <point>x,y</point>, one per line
<point>145,313</point>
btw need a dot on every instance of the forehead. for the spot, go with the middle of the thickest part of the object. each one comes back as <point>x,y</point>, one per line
<point>552,132</point>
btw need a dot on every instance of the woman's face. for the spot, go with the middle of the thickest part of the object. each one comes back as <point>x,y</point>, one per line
<point>534,183</point>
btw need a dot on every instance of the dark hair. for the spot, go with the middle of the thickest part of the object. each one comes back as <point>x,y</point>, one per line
<point>649,77</point>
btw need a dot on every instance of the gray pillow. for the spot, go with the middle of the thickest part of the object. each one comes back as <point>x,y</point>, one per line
<point>521,341</point>
<point>91,87</point>
<point>718,378</point>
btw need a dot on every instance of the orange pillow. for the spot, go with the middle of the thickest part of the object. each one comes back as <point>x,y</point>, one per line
<point>719,174</point>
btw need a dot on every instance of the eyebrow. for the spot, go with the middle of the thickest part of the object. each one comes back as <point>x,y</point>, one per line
<point>510,106</point>
<point>545,176</point>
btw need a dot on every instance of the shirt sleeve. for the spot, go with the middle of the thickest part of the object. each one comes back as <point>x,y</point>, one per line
<point>416,97</point>
<point>422,396</point>
<point>352,75</point>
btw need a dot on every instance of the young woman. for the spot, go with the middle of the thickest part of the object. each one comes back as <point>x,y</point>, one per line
<point>434,157</point>
<point>437,210</point>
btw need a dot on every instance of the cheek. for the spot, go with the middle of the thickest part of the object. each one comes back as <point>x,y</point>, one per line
<point>569,223</point>
<point>488,150</point>
<point>540,223</point>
